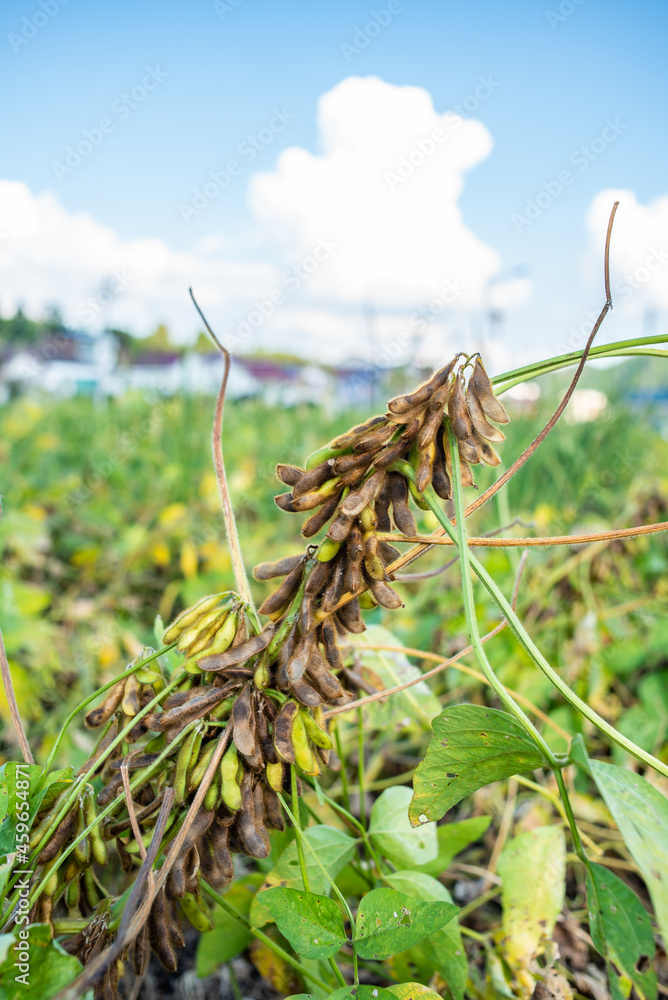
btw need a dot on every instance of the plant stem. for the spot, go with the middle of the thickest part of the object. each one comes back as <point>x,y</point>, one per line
<point>459,537</point>
<point>360,765</point>
<point>261,936</point>
<point>297,825</point>
<point>568,809</point>
<point>344,777</point>
<point>337,972</point>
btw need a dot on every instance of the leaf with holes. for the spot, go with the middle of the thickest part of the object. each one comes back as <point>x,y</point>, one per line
<point>312,924</point>
<point>620,928</point>
<point>471,747</point>
<point>533,867</point>
<point>389,922</point>
<point>641,813</point>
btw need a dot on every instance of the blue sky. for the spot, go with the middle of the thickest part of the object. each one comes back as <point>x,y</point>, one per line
<point>559,72</point>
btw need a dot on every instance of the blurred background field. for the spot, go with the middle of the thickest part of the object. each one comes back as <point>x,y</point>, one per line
<point>111,517</point>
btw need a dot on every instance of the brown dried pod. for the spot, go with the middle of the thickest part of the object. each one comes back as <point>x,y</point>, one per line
<point>355,433</point>
<point>477,415</point>
<point>374,439</point>
<point>298,662</point>
<point>387,552</point>
<point>60,836</point>
<point>273,816</point>
<point>141,814</point>
<point>177,698</point>
<point>385,595</point>
<point>192,869</point>
<point>285,653</point>
<point>354,554</point>
<point>201,823</point>
<point>346,463</point>
<point>307,614</point>
<point>238,654</point>
<point>173,923</point>
<point>352,478</point>
<point>141,952</point>
<point>317,521</point>
<point>464,469</point>
<point>356,501</point>
<point>289,474</point>
<point>250,827</point>
<point>333,589</point>
<point>305,693</point>
<point>392,452</point>
<point>340,528</point>
<point>401,512</point>
<point>158,932</point>
<point>313,480</point>
<point>401,404</point>
<point>107,739</point>
<point>244,735</point>
<point>97,716</point>
<point>262,733</point>
<point>439,476</point>
<point>127,860</point>
<point>241,634</point>
<point>284,502</point>
<point>425,466</point>
<point>110,790</point>
<point>283,731</point>
<point>480,383</point>
<point>487,453</point>
<point>285,592</point>
<point>323,679</point>
<point>318,577</point>
<point>176,879</point>
<point>350,617</point>
<point>134,763</point>
<point>381,507</point>
<point>458,412</point>
<point>216,863</point>
<point>332,651</point>
<point>280,567</point>
<point>194,708</point>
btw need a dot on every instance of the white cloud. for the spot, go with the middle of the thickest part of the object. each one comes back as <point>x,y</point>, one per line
<point>51,257</point>
<point>638,250</point>
<point>400,237</point>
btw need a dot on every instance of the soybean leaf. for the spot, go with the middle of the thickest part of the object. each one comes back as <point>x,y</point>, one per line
<point>532,866</point>
<point>443,950</point>
<point>471,747</point>
<point>227,938</point>
<point>641,813</point>
<point>361,993</point>
<point>389,922</point>
<point>453,838</point>
<point>311,923</point>
<point>49,968</point>
<point>620,928</point>
<point>391,831</point>
<point>410,991</point>
<point>334,848</point>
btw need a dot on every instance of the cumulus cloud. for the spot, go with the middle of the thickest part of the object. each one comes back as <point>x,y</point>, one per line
<point>52,257</point>
<point>639,249</point>
<point>386,189</point>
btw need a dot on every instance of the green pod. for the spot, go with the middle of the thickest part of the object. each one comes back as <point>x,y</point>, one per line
<point>97,844</point>
<point>182,764</point>
<point>201,766</point>
<point>275,776</point>
<point>51,885</point>
<point>322,454</point>
<point>224,637</point>
<point>193,910</point>
<point>212,794</point>
<point>303,754</point>
<point>82,848</point>
<point>73,894</point>
<point>146,676</point>
<point>189,617</point>
<point>328,549</point>
<point>367,602</point>
<point>319,736</point>
<point>195,637</point>
<point>90,889</point>
<point>229,772</point>
<point>261,677</point>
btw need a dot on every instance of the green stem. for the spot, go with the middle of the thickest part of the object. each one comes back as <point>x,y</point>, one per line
<point>568,809</point>
<point>459,537</point>
<point>261,936</point>
<point>344,777</point>
<point>360,765</point>
<point>297,825</point>
<point>337,972</point>
<point>357,825</point>
<point>95,695</point>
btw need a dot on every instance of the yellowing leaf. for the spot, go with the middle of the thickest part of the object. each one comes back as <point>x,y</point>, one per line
<point>160,553</point>
<point>412,991</point>
<point>189,560</point>
<point>172,514</point>
<point>533,867</point>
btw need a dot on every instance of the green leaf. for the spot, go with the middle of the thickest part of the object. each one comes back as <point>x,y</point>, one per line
<point>312,924</point>
<point>533,868</point>
<point>389,922</point>
<point>411,991</point>
<point>391,831</point>
<point>334,848</point>
<point>361,993</point>
<point>227,938</point>
<point>443,950</point>
<point>49,968</point>
<point>471,747</point>
<point>620,927</point>
<point>641,813</point>
<point>453,838</point>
